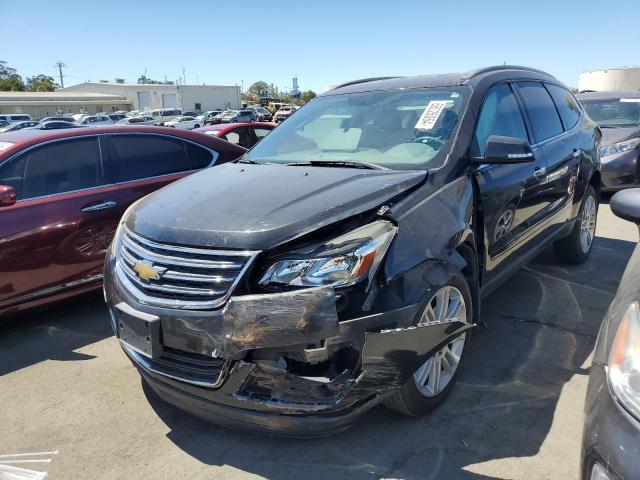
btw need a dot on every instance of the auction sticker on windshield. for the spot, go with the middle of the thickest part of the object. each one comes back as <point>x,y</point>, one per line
<point>431,114</point>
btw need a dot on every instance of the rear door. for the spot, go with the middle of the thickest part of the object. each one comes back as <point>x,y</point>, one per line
<point>142,163</point>
<point>512,196</point>
<point>56,234</point>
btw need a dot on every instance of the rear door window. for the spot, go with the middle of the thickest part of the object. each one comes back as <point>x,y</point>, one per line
<point>239,136</point>
<point>567,104</point>
<point>541,110</point>
<point>500,115</point>
<point>144,156</point>
<point>199,157</point>
<point>60,167</point>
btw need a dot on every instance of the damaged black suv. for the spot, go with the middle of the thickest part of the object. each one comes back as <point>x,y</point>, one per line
<point>341,262</point>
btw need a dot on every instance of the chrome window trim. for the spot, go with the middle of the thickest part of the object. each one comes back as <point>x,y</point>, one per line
<point>56,140</point>
<point>179,304</point>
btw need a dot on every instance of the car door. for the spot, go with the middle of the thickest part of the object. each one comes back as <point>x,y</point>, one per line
<point>563,155</point>
<point>511,194</point>
<point>142,163</point>
<point>56,234</point>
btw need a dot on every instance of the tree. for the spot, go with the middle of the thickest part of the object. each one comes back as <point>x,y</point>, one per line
<point>307,96</point>
<point>144,79</point>
<point>10,81</point>
<point>257,90</point>
<point>41,83</point>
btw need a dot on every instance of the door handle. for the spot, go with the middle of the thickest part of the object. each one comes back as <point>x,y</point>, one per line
<point>99,206</point>
<point>540,172</point>
<point>577,152</point>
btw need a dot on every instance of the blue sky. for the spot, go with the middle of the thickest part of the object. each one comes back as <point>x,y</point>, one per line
<point>323,42</point>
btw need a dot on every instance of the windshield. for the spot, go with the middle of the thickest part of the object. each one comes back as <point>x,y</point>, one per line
<point>395,129</point>
<point>623,112</point>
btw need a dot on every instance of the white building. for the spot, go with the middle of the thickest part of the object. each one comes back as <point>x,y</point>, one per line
<point>613,79</point>
<point>149,96</point>
<point>44,104</point>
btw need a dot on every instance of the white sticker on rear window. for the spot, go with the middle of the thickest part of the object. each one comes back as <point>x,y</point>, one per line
<point>431,114</point>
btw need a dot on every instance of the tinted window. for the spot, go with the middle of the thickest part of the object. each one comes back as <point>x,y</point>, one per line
<point>144,156</point>
<point>567,104</point>
<point>500,115</point>
<point>541,110</point>
<point>198,156</point>
<point>56,168</point>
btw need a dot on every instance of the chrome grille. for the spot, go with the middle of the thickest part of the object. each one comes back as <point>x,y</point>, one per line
<point>189,278</point>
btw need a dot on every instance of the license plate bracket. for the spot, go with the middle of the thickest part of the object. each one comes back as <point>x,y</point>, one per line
<point>138,331</point>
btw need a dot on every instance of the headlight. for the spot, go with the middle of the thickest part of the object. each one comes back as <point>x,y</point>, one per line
<point>619,147</point>
<point>624,361</point>
<point>115,243</point>
<point>343,261</point>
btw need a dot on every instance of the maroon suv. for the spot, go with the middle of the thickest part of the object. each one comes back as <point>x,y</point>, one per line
<point>63,191</point>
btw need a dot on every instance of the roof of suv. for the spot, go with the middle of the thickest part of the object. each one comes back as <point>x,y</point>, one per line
<point>445,80</point>
<point>27,137</point>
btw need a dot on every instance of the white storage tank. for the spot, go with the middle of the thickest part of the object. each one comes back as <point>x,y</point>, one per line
<point>612,79</point>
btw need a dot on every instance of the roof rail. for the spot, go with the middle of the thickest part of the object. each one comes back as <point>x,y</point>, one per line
<point>362,80</point>
<point>480,71</point>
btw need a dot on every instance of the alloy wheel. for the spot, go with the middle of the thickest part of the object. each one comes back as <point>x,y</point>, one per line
<point>588,223</point>
<point>435,374</point>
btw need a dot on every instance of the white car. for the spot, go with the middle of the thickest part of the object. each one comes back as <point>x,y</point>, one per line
<point>98,119</point>
<point>145,120</point>
<point>185,123</point>
<point>204,116</point>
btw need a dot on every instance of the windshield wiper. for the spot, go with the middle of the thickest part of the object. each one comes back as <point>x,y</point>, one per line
<point>338,164</point>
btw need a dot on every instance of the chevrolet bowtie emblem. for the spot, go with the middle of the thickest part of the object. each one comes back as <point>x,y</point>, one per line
<point>146,271</point>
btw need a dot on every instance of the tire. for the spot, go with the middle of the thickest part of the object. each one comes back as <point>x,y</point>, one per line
<point>412,399</point>
<point>575,248</point>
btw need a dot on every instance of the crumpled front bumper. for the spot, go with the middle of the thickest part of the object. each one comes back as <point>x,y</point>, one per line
<point>268,397</point>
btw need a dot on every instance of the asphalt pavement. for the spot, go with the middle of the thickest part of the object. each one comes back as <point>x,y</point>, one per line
<point>516,412</point>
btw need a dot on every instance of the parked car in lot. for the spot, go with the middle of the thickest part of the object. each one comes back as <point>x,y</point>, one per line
<point>262,114</point>
<point>58,118</point>
<point>98,119</point>
<point>63,191</point>
<point>618,115</point>
<point>55,125</point>
<point>116,117</point>
<point>15,117</point>
<point>163,115</point>
<point>204,116</point>
<point>142,120</point>
<point>185,123</point>
<point>244,134</point>
<point>18,126</point>
<point>283,113</point>
<point>238,116</point>
<point>217,119</point>
<point>341,262</point>
<point>611,435</point>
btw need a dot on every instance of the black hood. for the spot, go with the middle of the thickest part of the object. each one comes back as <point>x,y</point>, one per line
<point>255,207</point>
<point>618,134</point>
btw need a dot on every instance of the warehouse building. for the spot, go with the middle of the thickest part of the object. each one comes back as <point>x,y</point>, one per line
<point>44,104</point>
<point>151,96</point>
<point>613,79</point>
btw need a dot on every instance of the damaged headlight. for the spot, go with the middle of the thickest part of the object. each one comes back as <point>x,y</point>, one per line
<point>624,361</point>
<point>343,261</point>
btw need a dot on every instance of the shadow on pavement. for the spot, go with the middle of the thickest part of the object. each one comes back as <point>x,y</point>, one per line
<point>540,330</point>
<point>52,333</point>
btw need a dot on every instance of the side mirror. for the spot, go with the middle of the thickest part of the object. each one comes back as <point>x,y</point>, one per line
<point>501,149</point>
<point>7,196</point>
<point>626,204</point>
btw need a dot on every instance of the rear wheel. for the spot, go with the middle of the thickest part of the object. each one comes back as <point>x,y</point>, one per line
<point>433,379</point>
<point>575,248</point>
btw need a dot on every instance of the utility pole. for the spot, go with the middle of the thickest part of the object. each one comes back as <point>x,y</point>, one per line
<point>60,64</point>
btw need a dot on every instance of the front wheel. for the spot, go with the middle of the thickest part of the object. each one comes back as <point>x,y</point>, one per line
<point>433,379</point>
<point>575,248</point>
